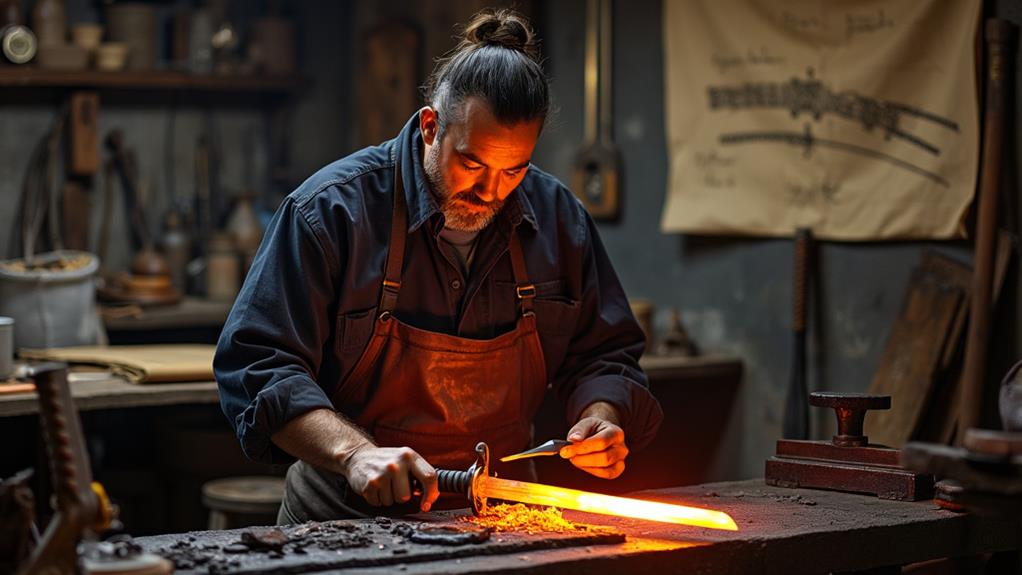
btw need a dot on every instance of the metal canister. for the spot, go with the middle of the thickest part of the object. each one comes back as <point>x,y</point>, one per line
<point>18,44</point>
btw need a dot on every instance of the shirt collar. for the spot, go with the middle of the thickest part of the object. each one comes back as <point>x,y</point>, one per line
<point>406,153</point>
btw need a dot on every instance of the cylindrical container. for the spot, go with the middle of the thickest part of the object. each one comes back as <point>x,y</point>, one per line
<point>643,311</point>
<point>87,35</point>
<point>223,269</point>
<point>273,45</point>
<point>49,21</point>
<point>10,13</point>
<point>18,44</point>
<point>53,303</point>
<point>134,25</point>
<point>200,42</point>
<point>6,347</point>
<point>177,249</point>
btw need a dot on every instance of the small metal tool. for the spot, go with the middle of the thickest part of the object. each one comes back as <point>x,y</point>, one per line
<point>552,447</point>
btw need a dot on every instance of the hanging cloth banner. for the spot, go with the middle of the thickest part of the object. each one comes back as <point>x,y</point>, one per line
<point>857,119</point>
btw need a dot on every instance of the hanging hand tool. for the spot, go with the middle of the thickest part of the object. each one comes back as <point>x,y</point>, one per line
<point>796,410</point>
<point>597,166</point>
<point>479,487</point>
<point>124,166</point>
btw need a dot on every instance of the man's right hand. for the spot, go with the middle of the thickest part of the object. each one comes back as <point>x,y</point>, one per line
<point>382,475</point>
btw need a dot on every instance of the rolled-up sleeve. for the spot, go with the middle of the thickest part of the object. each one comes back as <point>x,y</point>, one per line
<point>602,361</point>
<point>271,346</point>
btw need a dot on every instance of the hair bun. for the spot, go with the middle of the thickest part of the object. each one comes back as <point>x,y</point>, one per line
<point>504,28</point>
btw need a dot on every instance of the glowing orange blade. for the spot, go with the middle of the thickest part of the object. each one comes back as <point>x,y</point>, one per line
<point>564,498</point>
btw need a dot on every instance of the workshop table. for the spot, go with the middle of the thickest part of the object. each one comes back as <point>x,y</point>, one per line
<point>780,531</point>
<point>168,420</point>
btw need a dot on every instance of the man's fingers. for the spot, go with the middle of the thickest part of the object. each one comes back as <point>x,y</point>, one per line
<point>385,493</point>
<point>399,483</point>
<point>371,492</point>
<point>426,475</point>
<point>604,458</point>
<point>583,429</point>
<point>611,472</point>
<point>599,441</point>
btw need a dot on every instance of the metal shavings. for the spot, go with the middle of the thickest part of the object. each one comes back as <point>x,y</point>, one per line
<point>520,517</point>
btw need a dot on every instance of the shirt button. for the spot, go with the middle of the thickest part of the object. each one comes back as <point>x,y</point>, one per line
<point>455,284</point>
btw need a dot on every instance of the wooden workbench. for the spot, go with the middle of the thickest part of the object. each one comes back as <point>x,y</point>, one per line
<point>116,393</point>
<point>780,531</point>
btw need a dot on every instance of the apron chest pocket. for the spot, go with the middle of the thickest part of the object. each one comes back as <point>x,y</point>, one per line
<point>354,330</point>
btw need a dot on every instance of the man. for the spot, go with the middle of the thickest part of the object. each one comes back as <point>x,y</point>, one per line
<point>417,297</point>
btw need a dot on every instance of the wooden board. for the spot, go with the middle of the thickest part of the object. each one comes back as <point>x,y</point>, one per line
<point>940,422</point>
<point>83,134</point>
<point>930,321</point>
<point>388,86</point>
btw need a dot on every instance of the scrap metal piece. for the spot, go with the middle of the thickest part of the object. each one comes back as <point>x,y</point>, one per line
<point>264,538</point>
<point>973,471</point>
<point>443,535</point>
<point>17,514</point>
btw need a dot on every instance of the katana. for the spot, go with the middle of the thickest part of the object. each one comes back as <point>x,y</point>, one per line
<point>479,487</point>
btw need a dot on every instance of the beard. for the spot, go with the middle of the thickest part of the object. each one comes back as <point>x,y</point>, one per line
<point>463,211</point>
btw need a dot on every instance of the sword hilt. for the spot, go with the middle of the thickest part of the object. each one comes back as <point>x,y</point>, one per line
<point>449,481</point>
<point>467,483</point>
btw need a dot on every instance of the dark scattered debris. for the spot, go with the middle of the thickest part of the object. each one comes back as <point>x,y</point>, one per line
<point>273,539</point>
<point>794,498</point>
<point>119,546</point>
<point>256,548</point>
<point>443,535</point>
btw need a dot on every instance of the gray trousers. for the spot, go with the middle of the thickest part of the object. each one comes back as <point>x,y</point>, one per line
<point>312,494</point>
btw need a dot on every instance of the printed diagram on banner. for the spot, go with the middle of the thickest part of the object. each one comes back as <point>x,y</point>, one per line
<point>857,120</point>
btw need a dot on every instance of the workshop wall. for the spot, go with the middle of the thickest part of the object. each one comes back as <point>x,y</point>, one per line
<point>164,131</point>
<point>734,294</point>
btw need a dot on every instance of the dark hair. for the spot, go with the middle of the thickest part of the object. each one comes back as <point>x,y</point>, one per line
<point>496,60</point>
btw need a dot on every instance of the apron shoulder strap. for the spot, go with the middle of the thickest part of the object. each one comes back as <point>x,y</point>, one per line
<point>523,288</point>
<point>396,250</point>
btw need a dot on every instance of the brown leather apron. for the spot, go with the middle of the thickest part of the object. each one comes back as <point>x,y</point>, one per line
<point>438,394</point>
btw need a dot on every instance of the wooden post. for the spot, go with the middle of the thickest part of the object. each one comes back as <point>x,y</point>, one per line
<point>999,40</point>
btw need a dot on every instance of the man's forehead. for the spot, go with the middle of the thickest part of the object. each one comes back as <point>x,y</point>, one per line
<point>478,131</point>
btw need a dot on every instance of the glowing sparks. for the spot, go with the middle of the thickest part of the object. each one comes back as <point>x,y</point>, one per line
<point>564,498</point>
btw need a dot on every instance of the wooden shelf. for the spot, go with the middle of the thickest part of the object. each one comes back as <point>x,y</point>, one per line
<point>23,77</point>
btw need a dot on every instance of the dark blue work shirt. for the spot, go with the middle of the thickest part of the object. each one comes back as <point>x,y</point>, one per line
<point>308,305</point>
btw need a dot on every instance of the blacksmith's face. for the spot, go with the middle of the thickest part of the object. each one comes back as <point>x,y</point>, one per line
<point>476,163</point>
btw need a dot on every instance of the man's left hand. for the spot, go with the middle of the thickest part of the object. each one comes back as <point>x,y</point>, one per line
<point>597,442</point>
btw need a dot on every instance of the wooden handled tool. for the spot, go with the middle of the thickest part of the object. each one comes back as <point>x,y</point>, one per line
<point>999,41</point>
<point>796,409</point>
<point>598,164</point>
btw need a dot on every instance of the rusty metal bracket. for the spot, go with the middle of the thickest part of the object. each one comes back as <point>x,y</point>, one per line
<point>848,462</point>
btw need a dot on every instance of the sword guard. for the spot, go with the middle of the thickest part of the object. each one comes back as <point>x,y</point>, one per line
<point>479,471</point>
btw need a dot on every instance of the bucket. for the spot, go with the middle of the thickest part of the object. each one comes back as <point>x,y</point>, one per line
<point>51,306</point>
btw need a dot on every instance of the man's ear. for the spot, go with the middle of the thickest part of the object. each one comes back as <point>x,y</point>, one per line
<point>428,125</point>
